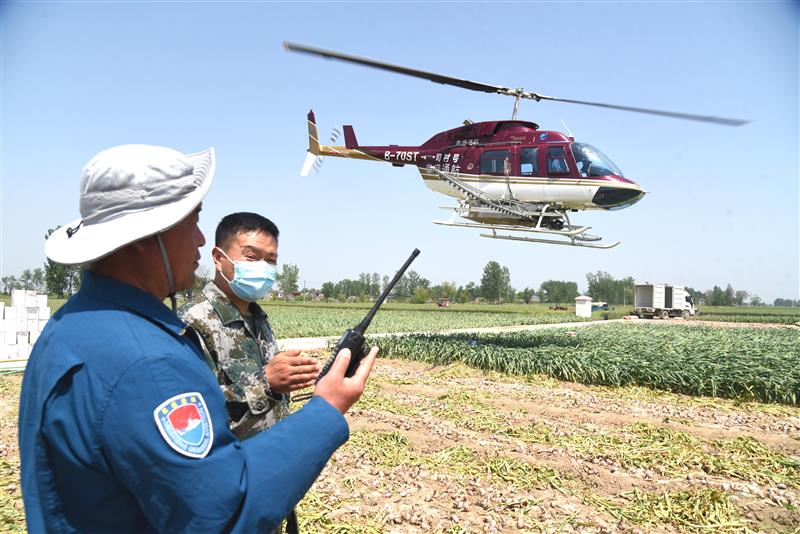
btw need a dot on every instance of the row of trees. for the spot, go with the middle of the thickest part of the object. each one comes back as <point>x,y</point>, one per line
<point>730,297</point>
<point>54,279</point>
<point>495,286</point>
<point>604,287</point>
<point>411,286</point>
<point>29,279</point>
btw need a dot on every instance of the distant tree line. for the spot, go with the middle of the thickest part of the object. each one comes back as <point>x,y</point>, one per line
<point>54,279</point>
<point>33,279</point>
<point>604,287</point>
<point>494,286</point>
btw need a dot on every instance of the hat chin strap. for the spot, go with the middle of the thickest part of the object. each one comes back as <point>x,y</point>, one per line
<point>168,269</point>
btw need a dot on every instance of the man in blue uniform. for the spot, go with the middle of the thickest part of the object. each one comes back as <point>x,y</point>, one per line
<point>122,426</point>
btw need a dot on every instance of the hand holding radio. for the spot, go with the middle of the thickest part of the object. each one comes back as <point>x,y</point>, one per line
<point>340,390</point>
<point>353,338</point>
<point>343,377</point>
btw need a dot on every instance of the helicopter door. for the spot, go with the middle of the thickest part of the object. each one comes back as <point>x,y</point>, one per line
<point>495,167</point>
<point>527,188</point>
<point>557,161</point>
<point>559,189</point>
<point>529,161</point>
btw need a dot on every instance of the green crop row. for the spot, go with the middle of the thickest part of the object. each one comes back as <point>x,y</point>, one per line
<point>750,310</point>
<point>748,318</point>
<point>748,364</point>
<point>740,314</point>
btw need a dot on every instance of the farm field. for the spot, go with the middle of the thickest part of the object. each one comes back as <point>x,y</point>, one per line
<point>305,318</point>
<point>749,315</point>
<point>453,449</point>
<point>304,321</point>
<point>439,446</point>
<point>744,363</point>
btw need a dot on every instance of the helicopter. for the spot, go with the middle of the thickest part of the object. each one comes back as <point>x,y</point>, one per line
<point>508,176</point>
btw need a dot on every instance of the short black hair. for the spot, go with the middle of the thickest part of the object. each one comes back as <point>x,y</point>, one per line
<point>243,222</point>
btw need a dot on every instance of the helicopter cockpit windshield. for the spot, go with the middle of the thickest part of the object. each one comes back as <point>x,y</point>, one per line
<point>592,162</point>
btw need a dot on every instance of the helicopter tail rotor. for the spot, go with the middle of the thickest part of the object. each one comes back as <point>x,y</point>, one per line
<point>335,133</point>
<point>310,161</point>
<point>313,161</point>
<point>314,157</point>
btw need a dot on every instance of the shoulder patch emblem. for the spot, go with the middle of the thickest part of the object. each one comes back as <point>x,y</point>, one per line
<point>185,424</point>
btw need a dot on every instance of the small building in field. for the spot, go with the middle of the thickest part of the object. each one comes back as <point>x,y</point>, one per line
<point>583,306</point>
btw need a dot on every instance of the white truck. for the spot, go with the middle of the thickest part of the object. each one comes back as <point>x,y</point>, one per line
<point>663,301</point>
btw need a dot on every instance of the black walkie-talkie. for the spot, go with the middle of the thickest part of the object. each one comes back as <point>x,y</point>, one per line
<point>353,338</point>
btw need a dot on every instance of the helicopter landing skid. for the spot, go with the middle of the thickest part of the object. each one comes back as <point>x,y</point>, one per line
<point>576,235</point>
<point>568,232</point>
<point>571,243</point>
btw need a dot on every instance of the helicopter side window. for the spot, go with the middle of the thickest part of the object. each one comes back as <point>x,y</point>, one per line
<point>492,162</point>
<point>557,160</point>
<point>528,161</point>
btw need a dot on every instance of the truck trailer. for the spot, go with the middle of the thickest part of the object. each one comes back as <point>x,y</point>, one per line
<point>662,301</point>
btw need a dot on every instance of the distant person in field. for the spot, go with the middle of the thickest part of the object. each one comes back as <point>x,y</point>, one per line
<point>238,342</point>
<point>122,428</point>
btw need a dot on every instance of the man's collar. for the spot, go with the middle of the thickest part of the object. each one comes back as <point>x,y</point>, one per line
<point>137,300</point>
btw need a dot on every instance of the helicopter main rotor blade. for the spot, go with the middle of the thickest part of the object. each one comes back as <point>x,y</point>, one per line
<point>438,78</point>
<point>499,89</point>
<point>673,114</point>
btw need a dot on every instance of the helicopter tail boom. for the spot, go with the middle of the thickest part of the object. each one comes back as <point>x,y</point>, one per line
<point>316,149</point>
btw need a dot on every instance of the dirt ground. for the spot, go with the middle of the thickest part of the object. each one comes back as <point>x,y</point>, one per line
<point>12,517</point>
<point>456,450</point>
<point>451,449</point>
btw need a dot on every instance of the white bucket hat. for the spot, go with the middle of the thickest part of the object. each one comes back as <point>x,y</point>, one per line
<point>130,192</point>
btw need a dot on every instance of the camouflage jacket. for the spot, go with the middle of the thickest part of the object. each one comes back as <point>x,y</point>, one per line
<point>237,356</point>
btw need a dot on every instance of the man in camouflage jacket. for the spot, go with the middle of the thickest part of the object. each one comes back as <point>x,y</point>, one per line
<point>237,340</point>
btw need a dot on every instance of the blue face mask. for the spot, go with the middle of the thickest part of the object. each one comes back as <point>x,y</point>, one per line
<point>252,280</point>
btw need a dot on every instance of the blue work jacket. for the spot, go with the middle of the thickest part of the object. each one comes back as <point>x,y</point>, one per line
<point>123,428</point>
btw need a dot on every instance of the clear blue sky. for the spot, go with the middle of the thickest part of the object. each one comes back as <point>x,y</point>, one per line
<point>78,77</point>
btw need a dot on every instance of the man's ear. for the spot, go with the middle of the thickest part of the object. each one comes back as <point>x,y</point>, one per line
<point>217,258</point>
